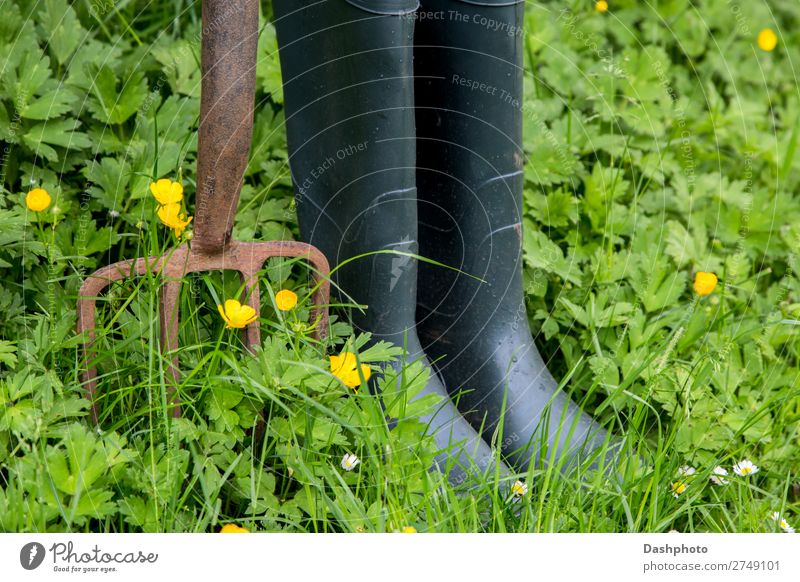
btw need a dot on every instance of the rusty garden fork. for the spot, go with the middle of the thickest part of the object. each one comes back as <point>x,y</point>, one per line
<point>228,60</point>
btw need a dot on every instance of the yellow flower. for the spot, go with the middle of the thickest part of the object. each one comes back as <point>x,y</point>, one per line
<point>408,529</point>
<point>767,40</point>
<point>285,299</point>
<point>233,528</point>
<point>678,488</point>
<point>237,315</point>
<point>167,191</point>
<point>601,5</point>
<point>704,283</point>
<point>37,199</point>
<point>345,367</point>
<point>170,215</point>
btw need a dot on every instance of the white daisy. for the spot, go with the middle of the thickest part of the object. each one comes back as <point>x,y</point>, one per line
<point>519,489</point>
<point>718,476</point>
<point>686,471</point>
<point>349,462</point>
<point>784,525</point>
<point>745,468</point>
<point>775,516</point>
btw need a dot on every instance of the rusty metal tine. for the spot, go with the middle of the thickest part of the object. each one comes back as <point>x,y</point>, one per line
<point>253,299</point>
<point>321,298</point>
<point>87,308</point>
<point>169,314</point>
<point>262,251</point>
<point>86,323</point>
<point>245,257</point>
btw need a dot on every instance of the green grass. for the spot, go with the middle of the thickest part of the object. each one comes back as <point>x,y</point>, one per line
<point>661,142</point>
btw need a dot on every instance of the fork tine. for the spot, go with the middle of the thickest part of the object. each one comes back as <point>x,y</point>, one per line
<point>169,315</point>
<point>253,299</point>
<point>171,268</point>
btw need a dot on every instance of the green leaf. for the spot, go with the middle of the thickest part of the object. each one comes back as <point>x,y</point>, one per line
<point>542,253</point>
<point>62,133</point>
<point>22,83</point>
<point>181,65</point>
<point>60,28</point>
<point>556,209</point>
<point>268,68</point>
<point>110,177</point>
<point>657,285</point>
<point>115,101</point>
<point>8,353</point>
<point>52,104</point>
<point>682,246</point>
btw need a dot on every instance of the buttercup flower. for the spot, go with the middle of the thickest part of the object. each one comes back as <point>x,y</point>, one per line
<point>172,217</point>
<point>678,488</point>
<point>285,299</point>
<point>166,191</point>
<point>237,315</point>
<point>37,199</point>
<point>345,367</point>
<point>349,462</point>
<point>686,471</point>
<point>718,476</point>
<point>767,40</point>
<point>233,528</point>
<point>601,5</point>
<point>519,489</point>
<point>745,468</point>
<point>408,529</point>
<point>704,283</point>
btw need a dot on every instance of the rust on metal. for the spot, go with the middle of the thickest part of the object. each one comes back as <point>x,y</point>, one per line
<point>230,37</point>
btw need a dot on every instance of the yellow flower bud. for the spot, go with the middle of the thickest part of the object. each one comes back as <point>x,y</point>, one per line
<point>767,40</point>
<point>285,299</point>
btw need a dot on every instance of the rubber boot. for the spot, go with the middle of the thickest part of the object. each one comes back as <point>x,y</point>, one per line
<point>348,91</point>
<point>473,324</point>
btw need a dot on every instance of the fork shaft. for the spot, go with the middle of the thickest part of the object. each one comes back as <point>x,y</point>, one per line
<point>230,39</point>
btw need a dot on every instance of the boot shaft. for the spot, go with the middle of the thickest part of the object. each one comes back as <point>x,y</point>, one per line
<point>349,93</point>
<point>469,80</point>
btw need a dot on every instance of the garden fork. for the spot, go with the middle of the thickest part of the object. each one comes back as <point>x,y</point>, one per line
<point>228,61</point>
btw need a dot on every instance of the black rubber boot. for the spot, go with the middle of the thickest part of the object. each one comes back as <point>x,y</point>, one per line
<point>468,64</point>
<point>349,90</point>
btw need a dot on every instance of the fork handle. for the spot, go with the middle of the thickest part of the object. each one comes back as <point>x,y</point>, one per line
<point>228,59</point>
